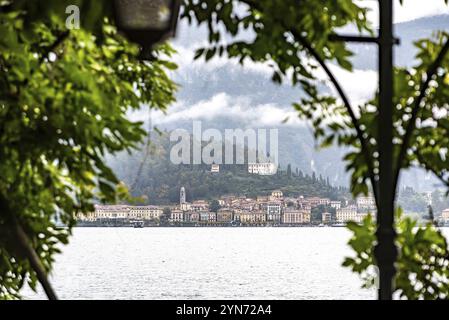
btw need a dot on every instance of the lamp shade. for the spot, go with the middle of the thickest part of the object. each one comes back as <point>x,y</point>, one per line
<point>147,22</point>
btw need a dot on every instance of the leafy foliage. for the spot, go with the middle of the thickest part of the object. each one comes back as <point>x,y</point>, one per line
<point>422,265</point>
<point>64,99</point>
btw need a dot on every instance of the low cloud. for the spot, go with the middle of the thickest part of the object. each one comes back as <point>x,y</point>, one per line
<point>359,86</point>
<point>223,105</point>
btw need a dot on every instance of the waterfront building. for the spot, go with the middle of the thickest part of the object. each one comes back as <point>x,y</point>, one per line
<point>176,215</point>
<point>295,216</point>
<point>206,216</point>
<point>212,216</point>
<point>236,215</point>
<point>260,216</point>
<point>254,217</point>
<point>89,216</point>
<point>194,216</point>
<point>306,215</point>
<point>274,212</point>
<point>199,205</point>
<point>186,216</point>
<point>144,212</point>
<point>224,215</point>
<point>326,217</point>
<point>366,203</point>
<point>124,212</point>
<point>111,212</point>
<point>347,214</point>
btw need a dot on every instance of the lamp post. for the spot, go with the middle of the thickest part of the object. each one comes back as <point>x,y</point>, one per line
<point>385,251</point>
<point>147,22</point>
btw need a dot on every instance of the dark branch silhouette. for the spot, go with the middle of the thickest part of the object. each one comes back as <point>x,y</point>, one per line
<point>28,251</point>
<point>415,111</point>
<point>61,37</point>
<point>355,121</point>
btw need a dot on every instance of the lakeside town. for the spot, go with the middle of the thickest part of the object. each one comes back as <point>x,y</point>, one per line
<point>274,209</point>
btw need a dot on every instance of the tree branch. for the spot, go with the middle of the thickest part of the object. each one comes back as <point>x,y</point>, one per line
<point>416,107</point>
<point>363,142</point>
<point>45,54</point>
<point>34,260</point>
<point>54,45</point>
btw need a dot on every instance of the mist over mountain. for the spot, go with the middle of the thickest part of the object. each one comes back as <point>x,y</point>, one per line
<point>224,95</point>
<point>365,55</point>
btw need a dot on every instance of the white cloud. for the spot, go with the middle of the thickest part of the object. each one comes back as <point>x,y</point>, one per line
<point>222,104</point>
<point>359,86</point>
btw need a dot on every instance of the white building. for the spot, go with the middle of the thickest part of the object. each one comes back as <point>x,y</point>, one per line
<point>215,168</point>
<point>295,216</point>
<point>266,168</point>
<point>186,206</point>
<point>350,213</point>
<point>326,217</point>
<point>346,214</point>
<point>335,204</point>
<point>366,203</point>
<point>274,212</point>
<point>445,215</point>
<point>124,212</point>
<point>177,215</point>
<point>111,212</point>
<point>144,212</point>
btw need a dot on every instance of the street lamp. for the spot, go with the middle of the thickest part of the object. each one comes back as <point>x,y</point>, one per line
<point>385,251</point>
<point>147,22</point>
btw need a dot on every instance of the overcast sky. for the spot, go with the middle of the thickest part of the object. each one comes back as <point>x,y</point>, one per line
<point>360,85</point>
<point>410,10</point>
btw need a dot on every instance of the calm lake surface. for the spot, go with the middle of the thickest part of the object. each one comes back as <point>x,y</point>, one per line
<point>206,263</point>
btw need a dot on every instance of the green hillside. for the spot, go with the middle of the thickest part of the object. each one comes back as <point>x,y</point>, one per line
<point>158,180</point>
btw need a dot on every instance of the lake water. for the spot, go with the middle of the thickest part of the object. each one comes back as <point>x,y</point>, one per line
<point>206,263</point>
